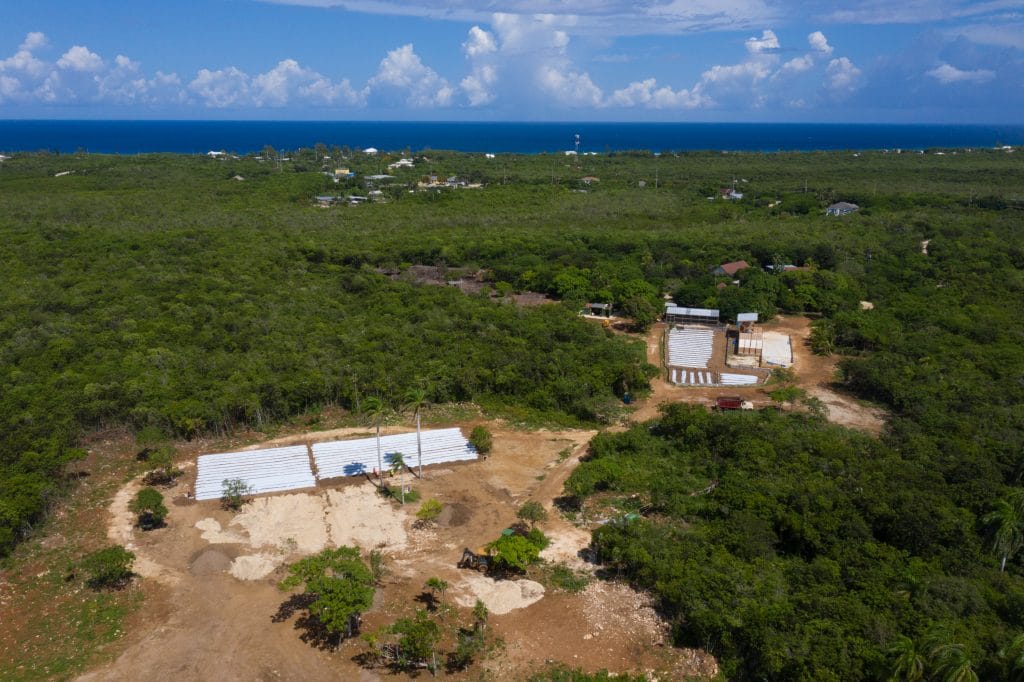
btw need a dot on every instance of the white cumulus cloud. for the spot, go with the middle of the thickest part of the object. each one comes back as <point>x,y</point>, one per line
<point>819,43</point>
<point>33,41</point>
<point>647,93</point>
<point>571,88</point>
<point>221,88</point>
<point>947,73</point>
<point>478,85</point>
<point>402,72</point>
<point>767,41</point>
<point>842,75</point>
<point>479,42</point>
<point>80,58</point>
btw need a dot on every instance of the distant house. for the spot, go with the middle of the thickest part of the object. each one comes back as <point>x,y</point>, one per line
<point>730,269</point>
<point>589,180</point>
<point>370,150</point>
<point>730,194</point>
<point>326,201</point>
<point>842,208</point>
<point>216,155</point>
<point>401,163</point>
<point>598,309</point>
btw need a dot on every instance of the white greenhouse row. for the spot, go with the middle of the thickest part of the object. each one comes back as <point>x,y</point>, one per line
<point>289,468</point>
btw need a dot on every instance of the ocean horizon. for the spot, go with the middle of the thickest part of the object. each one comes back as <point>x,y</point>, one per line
<point>244,137</point>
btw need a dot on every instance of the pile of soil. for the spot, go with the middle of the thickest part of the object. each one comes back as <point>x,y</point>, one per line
<point>209,562</point>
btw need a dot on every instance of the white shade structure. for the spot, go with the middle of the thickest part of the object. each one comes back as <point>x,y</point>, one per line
<point>738,379</point>
<point>355,457</point>
<point>690,346</point>
<point>265,471</point>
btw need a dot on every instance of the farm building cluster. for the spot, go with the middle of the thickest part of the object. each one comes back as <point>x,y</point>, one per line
<point>701,350</point>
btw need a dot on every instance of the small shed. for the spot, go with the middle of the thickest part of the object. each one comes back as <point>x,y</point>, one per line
<point>679,315</point>
<point>842,208</point>
<point>746,321</point>
<point>598,309</point>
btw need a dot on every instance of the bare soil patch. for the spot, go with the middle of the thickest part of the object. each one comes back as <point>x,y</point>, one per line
<point>216,620</point>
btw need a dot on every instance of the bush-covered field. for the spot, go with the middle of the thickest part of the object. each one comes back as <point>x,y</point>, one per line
<point>158,291</point>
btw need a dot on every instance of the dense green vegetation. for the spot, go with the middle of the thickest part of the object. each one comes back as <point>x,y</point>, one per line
<point>159,293</point>
<point>819,552</point>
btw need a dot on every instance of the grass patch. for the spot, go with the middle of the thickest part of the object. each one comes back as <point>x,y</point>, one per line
<point>562,578</point>
<point>395,493</point>
<point>55,627</point>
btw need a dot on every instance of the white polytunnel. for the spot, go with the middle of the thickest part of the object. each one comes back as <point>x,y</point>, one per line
<point>355,457</point>
<point>265,471</point>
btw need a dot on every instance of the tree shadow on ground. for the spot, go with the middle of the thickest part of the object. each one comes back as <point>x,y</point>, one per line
<point>312,631</point>
<point>428,599</point>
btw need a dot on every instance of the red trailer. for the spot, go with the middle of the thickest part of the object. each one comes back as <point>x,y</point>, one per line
<point>732,402</point>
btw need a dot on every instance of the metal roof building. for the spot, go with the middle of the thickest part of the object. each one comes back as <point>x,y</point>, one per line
<point>265,471</point>
<point>678,315</point>
<point>356,457</point>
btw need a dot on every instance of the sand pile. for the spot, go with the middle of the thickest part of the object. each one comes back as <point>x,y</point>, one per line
<point>358,515</point>
<point>215,535</point>
<point>499,596</point>
<point>253,567</point>
<point>292,522</point>
<point>210,561</point>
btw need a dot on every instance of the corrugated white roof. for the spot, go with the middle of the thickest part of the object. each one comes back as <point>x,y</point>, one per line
<point>266,471</point>
<point>354,457</point>
<point>693,312</point>
<point>746,317</point>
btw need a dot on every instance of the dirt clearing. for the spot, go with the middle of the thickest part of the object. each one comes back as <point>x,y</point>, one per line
<point>216,619</point>
<point>814,374</point>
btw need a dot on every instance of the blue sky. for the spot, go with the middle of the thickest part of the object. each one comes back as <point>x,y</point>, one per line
<point>944,61</point>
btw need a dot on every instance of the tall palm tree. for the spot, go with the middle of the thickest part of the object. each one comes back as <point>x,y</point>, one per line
<point>952,664</point>
<point>1014,653</point>
<point>397,467</point>
<point>1007,524</point>
<point>909,663</point>
<point>374,409</point>
<point>415,400</point>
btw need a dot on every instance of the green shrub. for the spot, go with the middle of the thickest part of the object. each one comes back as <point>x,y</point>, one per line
<point>513,553</point>
<point>149,505</point>
<point>429,510</point>
<point>108,568</point>
<point>234,493</point>
<point>532,512</point>
<point>481,439</point>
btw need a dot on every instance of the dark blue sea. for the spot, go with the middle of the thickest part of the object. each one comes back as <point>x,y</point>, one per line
<point>190,137</point>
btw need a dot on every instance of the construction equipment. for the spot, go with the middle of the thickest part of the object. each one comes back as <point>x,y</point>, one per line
<point>479,560</point>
